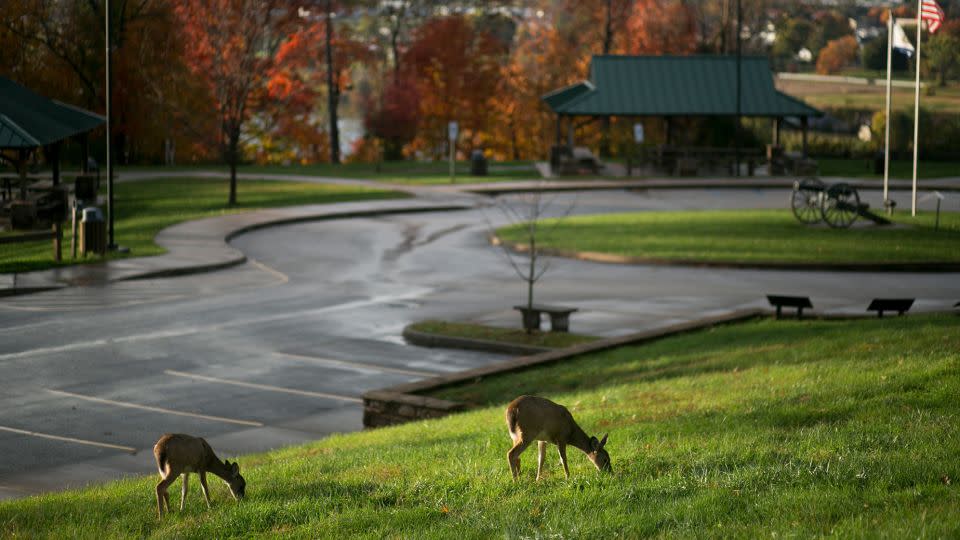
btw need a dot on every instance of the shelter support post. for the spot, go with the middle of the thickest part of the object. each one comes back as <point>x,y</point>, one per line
<point>84,153</point>
<point>53,156</point>
<point>22,156</point>
<point>669,129</point>
<point>776,131</point>
<point>559,129</point>
<point>570,129</point>
<point>803,124</point>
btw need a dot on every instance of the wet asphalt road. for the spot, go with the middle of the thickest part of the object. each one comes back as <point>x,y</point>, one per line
<point>280,350</point>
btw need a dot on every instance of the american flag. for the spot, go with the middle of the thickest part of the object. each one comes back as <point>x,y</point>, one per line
<point>931,12</point>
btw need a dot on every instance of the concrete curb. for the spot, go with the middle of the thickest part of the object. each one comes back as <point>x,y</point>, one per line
<point>401,403</point>
<point>425,339</point>
<point>609,258</point>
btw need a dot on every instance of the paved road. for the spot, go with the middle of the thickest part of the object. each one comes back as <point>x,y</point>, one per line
<point>279,350</point>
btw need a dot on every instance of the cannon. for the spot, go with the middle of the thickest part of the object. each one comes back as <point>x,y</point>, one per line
<point>837,205</point>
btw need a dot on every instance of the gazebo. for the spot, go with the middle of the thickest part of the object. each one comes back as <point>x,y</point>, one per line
<point>671,87</point>
<point>29,121</point>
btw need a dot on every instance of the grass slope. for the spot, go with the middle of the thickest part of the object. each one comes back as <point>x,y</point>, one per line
<point>749,236</point>
<point>146,207</point>
<point>765,429</point>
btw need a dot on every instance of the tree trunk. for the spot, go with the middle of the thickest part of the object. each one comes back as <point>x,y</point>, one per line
<point>232,158</point>
<point>333,94</point>
<point>607,46</point>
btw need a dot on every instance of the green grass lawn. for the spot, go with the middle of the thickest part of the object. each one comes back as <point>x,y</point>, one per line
<point>397,172</point>
<point>502,335</point>
<point>903,169</point>
<point>144,208</point>
<point>750,236</point>
<point>763,429</point>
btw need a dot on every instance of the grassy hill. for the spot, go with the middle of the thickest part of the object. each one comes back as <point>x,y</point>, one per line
<point>763,429</point>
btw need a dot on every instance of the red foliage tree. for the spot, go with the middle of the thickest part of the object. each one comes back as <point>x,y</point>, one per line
<point>455,69</point>
<point>234,46</point>
<point>662,27</point>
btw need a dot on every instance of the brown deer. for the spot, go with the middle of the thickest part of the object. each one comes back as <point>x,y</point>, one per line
<point>531,418</point>
<point>178,454</point>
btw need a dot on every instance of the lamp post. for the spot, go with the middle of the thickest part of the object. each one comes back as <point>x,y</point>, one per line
<point>111,244</point>
<point>736,125</point>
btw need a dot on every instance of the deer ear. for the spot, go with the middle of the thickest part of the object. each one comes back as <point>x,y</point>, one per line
<point>594,444</point>
<point>603,441</point>
<point>234,467</point>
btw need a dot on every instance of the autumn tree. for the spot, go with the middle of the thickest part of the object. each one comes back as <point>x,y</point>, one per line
<point>837,55</point>
<point>301,77</point>
<point>649,35</point>
<point>234,45</point>
<point>57,49</point>
<point>455,69</point>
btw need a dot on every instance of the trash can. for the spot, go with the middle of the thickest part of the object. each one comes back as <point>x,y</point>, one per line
<point>93,232</point>
<point>478,163</point>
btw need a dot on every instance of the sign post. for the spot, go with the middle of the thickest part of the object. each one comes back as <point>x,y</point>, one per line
<point>452,130</point>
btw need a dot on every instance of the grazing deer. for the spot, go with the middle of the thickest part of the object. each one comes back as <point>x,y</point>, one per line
<point>531,418</point>
<point>178,454</point>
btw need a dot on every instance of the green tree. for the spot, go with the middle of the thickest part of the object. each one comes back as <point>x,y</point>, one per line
<point>792,34</point>
<point>942,54</point>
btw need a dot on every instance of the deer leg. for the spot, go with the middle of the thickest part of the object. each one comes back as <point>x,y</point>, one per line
<point>203,486</point>
<point>562,449</point>
<point>513,456</point>
<point>183,490</point>
<point>542,449</point>
<point>162,497</point>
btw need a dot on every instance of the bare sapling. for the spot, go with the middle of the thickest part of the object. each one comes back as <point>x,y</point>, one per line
<point>531,418</point>
<point>178,454</point>
<point>528,213</point>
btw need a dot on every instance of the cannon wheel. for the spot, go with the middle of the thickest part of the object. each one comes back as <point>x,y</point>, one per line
<point>840,207</point>
<point>805,200</point>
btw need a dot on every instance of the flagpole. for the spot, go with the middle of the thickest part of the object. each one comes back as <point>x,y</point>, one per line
<point>916,115</point>
<point>886,141</point>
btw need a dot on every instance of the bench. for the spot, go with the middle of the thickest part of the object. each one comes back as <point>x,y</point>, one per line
<point>559,317</point>
<point>798,302</point>
<point>900,305</point>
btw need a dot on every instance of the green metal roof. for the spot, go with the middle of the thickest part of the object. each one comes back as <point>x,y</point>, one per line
<point>29,120</point>
<point>676,86</point>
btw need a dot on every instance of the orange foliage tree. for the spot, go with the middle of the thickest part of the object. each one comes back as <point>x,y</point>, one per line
<point>838,54</point>
<point>297,81</point>
<point>234,45</point>
<point>455,69</point>
<point>662,27</point>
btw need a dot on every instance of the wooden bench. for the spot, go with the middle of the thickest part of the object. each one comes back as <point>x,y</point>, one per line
<point>798,302</point>
<point>900,305</point>
<point>559,317</point>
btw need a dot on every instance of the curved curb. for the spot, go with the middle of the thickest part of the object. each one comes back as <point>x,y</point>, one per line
<point>404,403</point>
<point>609,258</point>
<point>426,339</point>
